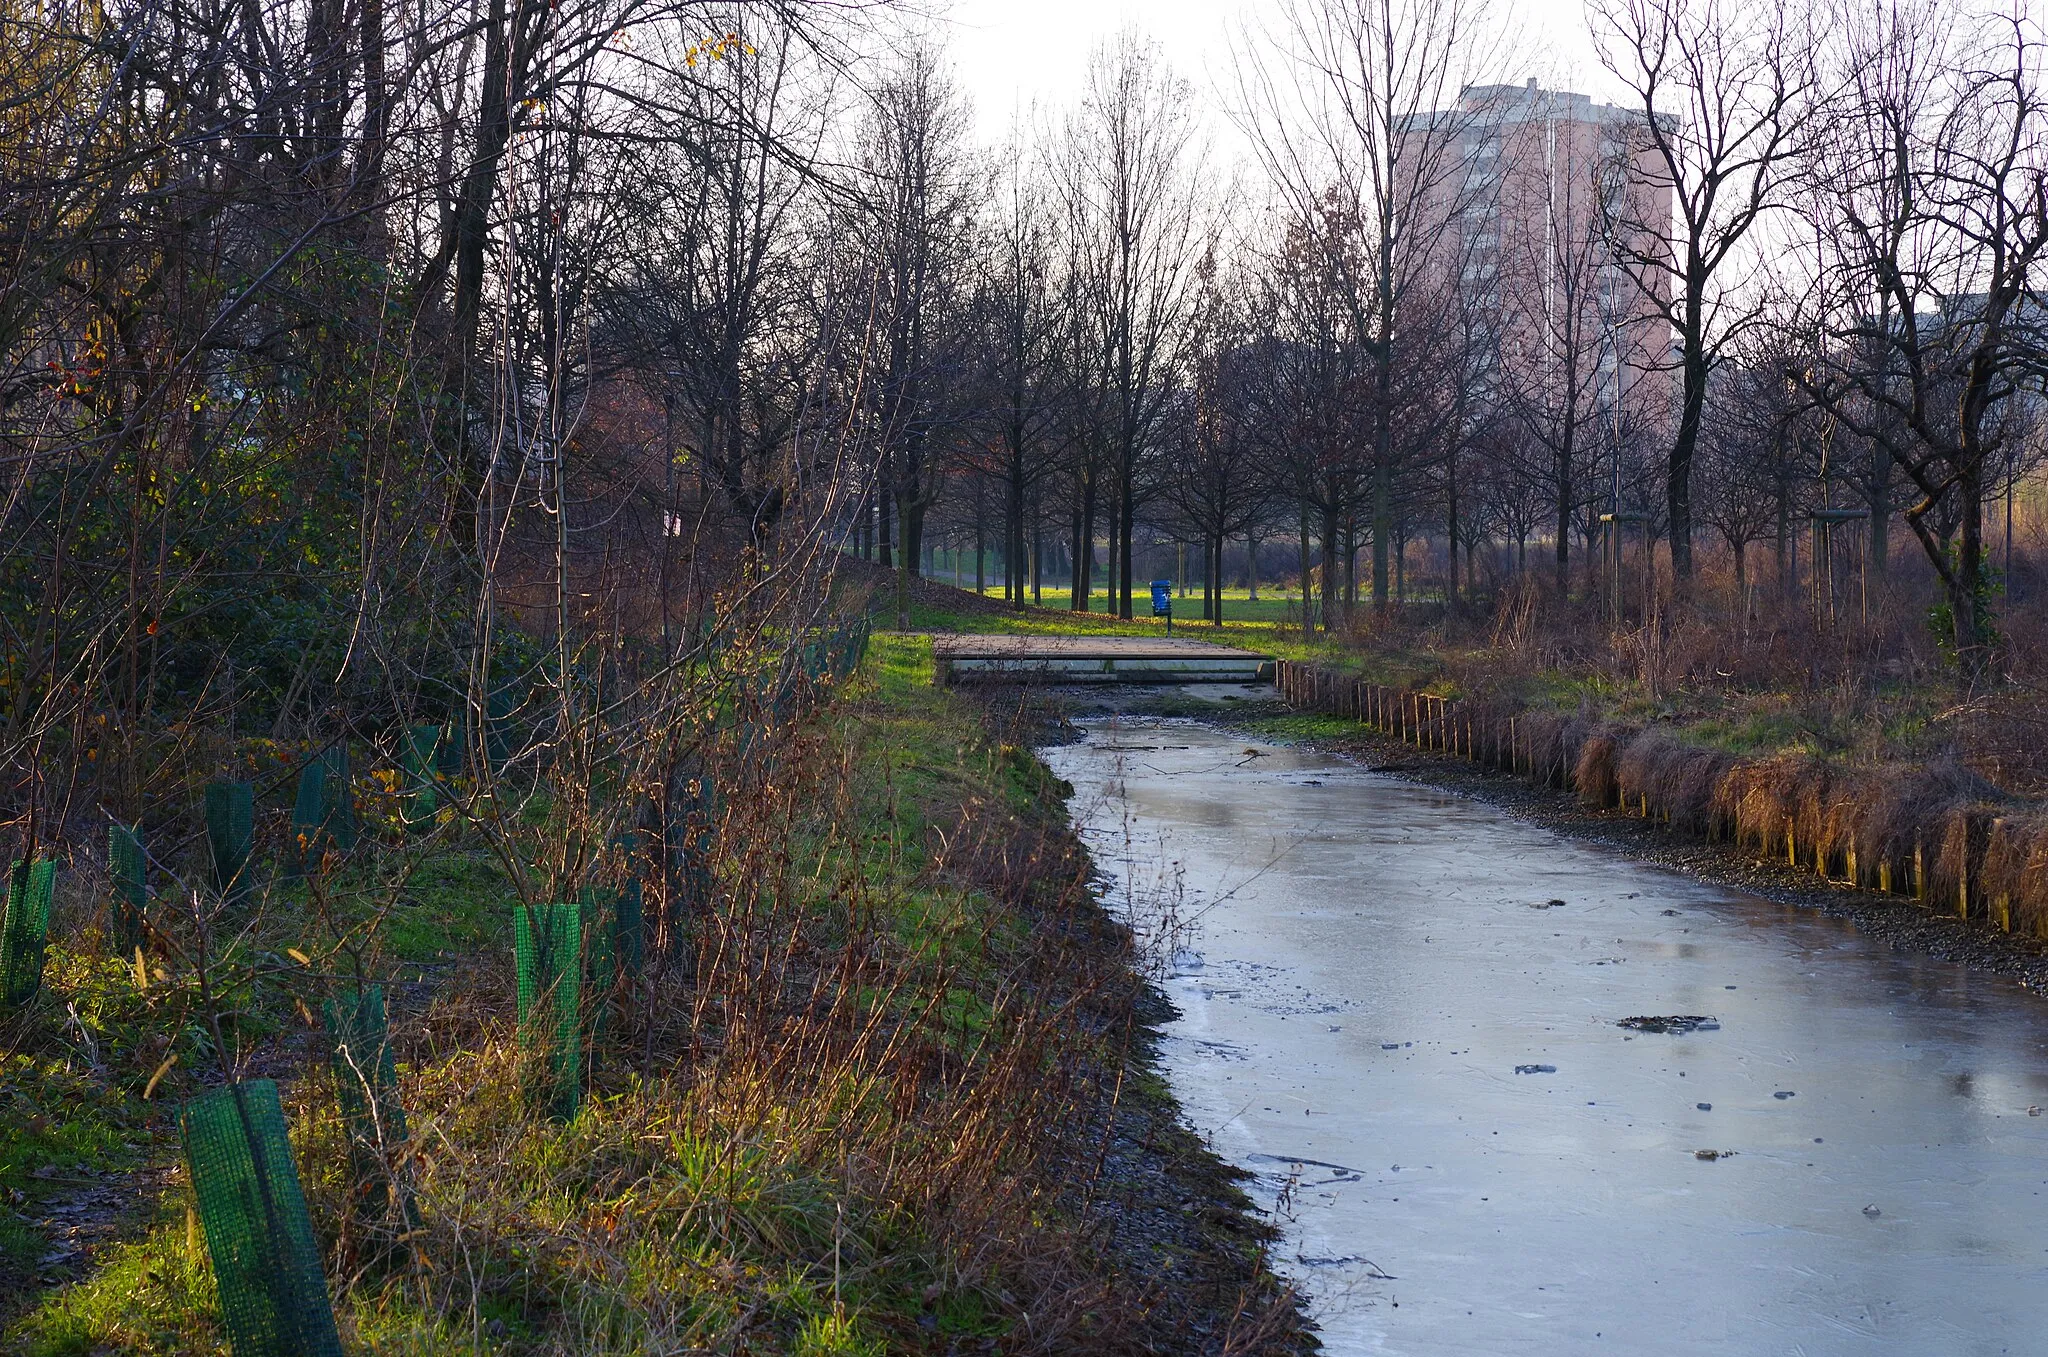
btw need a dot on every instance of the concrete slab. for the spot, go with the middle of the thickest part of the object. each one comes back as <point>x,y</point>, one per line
<point>1092,659</point>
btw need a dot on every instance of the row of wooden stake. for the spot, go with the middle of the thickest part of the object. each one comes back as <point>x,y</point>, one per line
<point>1432,722</point>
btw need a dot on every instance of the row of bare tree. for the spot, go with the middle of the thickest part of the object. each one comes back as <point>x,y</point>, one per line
<point>1793,274</point>
<point>347,350</point>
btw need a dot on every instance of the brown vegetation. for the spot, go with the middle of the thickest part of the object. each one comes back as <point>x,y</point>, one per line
<point>1932,830</point>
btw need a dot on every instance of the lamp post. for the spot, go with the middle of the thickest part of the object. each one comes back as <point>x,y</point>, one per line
<point>1615,523</point>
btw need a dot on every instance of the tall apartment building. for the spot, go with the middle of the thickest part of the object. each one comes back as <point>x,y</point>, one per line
<point>1551,183</point>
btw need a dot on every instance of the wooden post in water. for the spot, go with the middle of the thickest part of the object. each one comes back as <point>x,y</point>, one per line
<point>2000,904</point>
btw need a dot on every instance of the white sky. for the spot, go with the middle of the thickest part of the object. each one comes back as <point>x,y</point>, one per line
<point>1008,53</point>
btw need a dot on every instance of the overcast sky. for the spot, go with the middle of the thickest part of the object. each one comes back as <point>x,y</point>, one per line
<point>1009,52</point>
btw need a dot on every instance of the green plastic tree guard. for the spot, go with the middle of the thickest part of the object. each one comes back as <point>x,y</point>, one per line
<point>422,755</point>
<point>699,834</point>
<point>454,747</point>
<point>25,929</point>
<point>231,836</point>
<point>600,961</point>
<point>366,1085</point>
<point>547,942</point>
<point>629,930</point>
<point>128,907</point>
<point>498,713</point>
<point>324,815</point>
<point>266,1261</point>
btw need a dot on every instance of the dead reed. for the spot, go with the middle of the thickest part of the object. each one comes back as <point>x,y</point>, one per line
<point>1934,830</point>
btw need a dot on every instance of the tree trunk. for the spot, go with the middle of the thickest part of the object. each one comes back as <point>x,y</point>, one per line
<point>1126,522</point>
<point>1308,607</point>
<point>1037,547</point>
<point>1333,555</point>
<point>1451,525</point>
<point>1678,477</point>
<point>1563,465</point>
<point>885,546</point>
<point>1084,545</point>
<point>1742,582</point>
<point>1213,568</point>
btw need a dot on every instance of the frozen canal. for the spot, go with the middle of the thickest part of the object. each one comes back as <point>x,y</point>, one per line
<point>1370,963</point>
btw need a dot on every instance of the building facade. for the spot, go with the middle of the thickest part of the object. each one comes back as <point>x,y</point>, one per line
<point>1555,226</point>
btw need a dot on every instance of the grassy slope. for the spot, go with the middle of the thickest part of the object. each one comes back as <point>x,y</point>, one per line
<point>706,1205</point>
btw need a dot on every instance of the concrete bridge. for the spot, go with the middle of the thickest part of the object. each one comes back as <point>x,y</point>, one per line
<point>1092,659</point>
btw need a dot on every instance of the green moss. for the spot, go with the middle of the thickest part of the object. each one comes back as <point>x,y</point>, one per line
<point>1299,726</point>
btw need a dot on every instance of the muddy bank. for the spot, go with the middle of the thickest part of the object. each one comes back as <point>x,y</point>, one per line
<point>1172,1217</point>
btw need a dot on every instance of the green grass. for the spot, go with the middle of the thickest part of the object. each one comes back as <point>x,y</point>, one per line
<point>454,903</point>
<point>1264,632</point>
<point>670,1214</point>
<point>60,1128</point>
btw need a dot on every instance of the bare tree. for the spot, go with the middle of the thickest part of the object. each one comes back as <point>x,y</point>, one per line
<point>1722,91</point>
<point>1220,481</point>
<point>1022,376</point>
<point>1558,341</point>
<point>911,243</point>
<point>1932,226</point>
<point>1129,176</point>
<point>1358,111</point>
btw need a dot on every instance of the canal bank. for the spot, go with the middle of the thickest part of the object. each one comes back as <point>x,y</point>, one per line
<point>1402,1011</point>
<point>896,1092</point>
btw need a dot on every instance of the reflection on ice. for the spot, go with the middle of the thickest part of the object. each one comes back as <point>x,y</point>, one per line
<point>1510,1095</point>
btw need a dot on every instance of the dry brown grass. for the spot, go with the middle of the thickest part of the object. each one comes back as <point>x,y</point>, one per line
<point>1937,829</point>
<point>1594,775</point>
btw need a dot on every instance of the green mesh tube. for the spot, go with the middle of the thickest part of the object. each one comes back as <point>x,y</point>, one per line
<point>309,821</point>
<point>547,942</point>
<point>323,816</point>
<point>454,747</point>
<point>498,711</point>
<point>231,837</point>
<point>421,759</point>
<point>266,1262</point>
<point>25,929</point>
<point>629,923</point>
<point>341,799</point>
<point>600,960</point>
<point>366,1086</point>
<point>694,831</point>
<point>128,906</point>
<point>629,930</point>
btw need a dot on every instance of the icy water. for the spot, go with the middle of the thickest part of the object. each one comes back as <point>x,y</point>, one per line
<point>1367,966</point>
